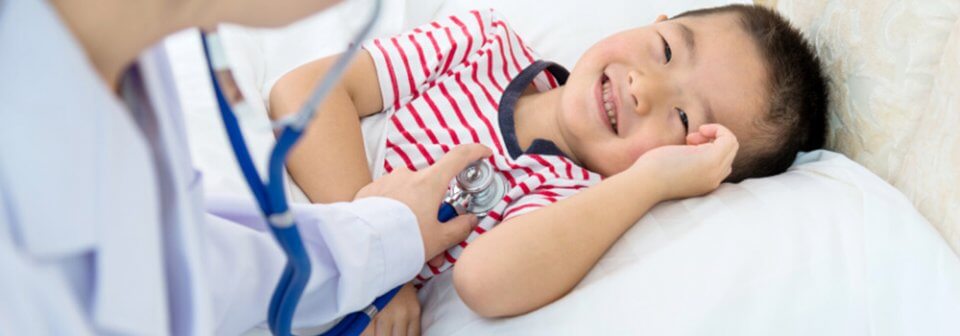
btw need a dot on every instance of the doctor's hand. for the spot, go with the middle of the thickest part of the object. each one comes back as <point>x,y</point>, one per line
<point>400,317</point>
<point>693,169</point>
<point>423,191</point>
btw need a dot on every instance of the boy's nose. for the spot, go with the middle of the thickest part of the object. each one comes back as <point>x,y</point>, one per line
<point>644,92</point>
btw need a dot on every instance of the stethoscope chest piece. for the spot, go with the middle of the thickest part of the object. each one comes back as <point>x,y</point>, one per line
<point>477,189</point>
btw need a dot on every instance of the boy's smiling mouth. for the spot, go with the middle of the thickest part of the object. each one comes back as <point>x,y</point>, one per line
<point>607,101</point>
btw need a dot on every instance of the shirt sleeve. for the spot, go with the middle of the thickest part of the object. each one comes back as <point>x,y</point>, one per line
<point>358,251</point>
<point>545,194</point>
<point>410,62</point>
<point>535,200</point>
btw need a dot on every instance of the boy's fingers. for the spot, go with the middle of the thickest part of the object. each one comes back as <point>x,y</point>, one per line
<point>728,144</point>
<point>731,155</point>
<point>705,134</point>
<point>709,130</point>
<point>384,327</point>
<point>371,328</point>
<point>399,328</point>
<point>696,139</point>
<point>721,142</point>
<point>414,328</point>
<point>719,135</point>
<point>458,158</point>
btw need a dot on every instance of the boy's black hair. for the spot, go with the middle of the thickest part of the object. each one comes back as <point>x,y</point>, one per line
<point>796,115</point>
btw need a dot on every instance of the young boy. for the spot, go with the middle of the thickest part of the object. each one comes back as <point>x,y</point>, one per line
<point>647,115</point>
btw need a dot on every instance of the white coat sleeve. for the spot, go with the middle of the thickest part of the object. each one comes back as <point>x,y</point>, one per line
<point>358,250</point>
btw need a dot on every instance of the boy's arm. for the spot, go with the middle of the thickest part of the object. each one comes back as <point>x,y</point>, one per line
<point>534,259</point>
<point>329,163</point>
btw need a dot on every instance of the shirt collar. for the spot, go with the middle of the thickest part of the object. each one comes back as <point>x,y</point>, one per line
<point>508,104</point>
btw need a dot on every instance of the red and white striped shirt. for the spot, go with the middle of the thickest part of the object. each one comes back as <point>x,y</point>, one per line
<point>443,84</point>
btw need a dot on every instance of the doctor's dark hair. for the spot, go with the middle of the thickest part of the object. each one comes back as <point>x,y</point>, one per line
<point>796,117</point>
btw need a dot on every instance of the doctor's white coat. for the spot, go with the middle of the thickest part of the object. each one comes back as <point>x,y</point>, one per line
<point>102,222</point>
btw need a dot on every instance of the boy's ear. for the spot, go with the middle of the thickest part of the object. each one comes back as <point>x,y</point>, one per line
<point>660,18</point>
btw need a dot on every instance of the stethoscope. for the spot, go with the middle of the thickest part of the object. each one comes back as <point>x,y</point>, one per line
<point>476,189</point>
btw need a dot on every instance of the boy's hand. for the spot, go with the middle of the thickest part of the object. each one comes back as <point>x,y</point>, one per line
<point>693,169</point>
<point>400,317</point>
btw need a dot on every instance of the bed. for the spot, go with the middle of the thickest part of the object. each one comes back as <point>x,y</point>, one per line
<point>859,239</point>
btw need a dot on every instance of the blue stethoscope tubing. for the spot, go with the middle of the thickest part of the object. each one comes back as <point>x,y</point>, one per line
<point>356,322</point>
<point>271,197</point>
<point>272,202</point>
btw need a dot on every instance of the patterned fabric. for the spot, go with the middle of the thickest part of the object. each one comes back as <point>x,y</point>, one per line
<point>894,69</point>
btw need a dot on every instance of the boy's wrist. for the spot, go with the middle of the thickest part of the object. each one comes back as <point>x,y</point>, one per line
<point>651,182</point>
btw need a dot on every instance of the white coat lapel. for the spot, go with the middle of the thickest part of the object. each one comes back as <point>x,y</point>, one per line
<point>131,286</point>
<point>48,147</point>
<point>189,299</point>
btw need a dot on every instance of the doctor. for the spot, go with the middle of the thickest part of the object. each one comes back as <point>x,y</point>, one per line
<point>103,229</point>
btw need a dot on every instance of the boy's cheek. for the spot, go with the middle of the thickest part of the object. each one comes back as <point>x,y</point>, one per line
<point>606,49</point>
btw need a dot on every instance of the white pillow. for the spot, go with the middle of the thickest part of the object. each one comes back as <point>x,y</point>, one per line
<point>895,70</point>
<point>825,249</point>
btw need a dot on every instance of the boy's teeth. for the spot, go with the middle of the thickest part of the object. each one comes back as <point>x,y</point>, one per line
<point>608,104</point>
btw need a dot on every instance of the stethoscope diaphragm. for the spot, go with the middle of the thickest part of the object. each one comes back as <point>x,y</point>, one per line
<point>477,188</point>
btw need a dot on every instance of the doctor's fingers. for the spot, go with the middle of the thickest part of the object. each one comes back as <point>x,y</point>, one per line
<point>456,160</point>
<point>449,234</point>
<point>436,261</point>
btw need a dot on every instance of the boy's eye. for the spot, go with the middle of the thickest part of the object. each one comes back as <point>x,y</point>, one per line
<point>684,120</point>
<point>667,53</point>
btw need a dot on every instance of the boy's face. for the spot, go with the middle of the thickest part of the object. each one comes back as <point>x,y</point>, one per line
<point>632,91</point>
